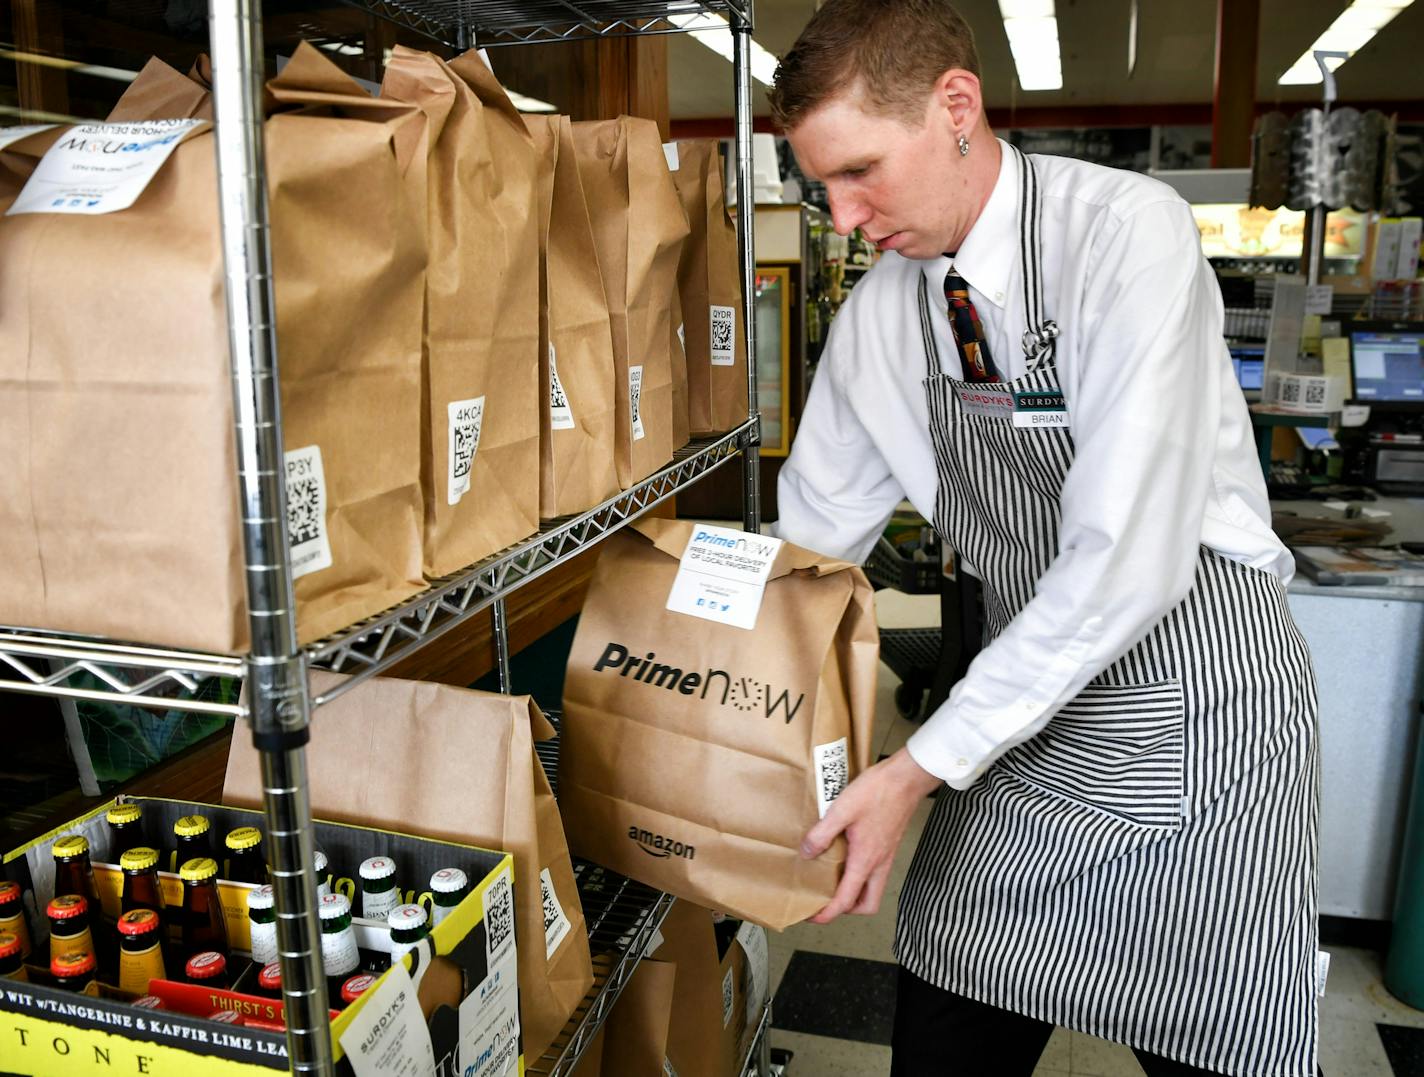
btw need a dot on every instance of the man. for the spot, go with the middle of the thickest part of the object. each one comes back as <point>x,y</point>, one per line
<point>1127,843</point>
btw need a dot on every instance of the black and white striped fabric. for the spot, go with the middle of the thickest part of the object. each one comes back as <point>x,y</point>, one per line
<point>1143,870</point>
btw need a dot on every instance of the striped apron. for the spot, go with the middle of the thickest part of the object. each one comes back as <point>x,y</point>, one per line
<point>1144,869</point>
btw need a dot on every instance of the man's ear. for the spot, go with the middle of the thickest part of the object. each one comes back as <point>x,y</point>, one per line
<point>958,97</point>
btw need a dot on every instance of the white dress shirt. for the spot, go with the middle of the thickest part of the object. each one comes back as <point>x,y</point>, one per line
<point>1164,455</point>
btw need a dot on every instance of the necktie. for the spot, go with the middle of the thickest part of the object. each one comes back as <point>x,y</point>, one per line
<point>974,357</point>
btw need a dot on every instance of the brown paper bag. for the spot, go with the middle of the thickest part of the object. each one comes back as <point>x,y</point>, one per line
<point>681,433</point>
<point>696,754</point>
<point>635,1044</point>
<point>697,1046</point>
<point>638,225</point>
<point>457,765</point>
<point>480,438</point>
<point>161,93</point>
<point>119,512</point>
<point>709,281</point>
<point>577,412</point>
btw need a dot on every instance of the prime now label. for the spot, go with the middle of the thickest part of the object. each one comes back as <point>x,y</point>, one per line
<point>722,575</point>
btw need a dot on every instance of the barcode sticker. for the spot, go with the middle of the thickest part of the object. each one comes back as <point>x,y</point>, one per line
<point>635,400</point>
<point>467,417</point>
<point>556,924</point>
<point>560,413</point>
<point>306,511</point>
<point>727,999</point>
<point>724,331</point>
<point>753,941</point>
<point>832,772</point>
<point>499,917</point>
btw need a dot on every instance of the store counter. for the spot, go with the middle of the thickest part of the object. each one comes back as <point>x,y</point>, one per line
<point>1367,644</point>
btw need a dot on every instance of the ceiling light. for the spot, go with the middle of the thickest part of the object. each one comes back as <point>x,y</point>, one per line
<point>97,70</point>
<point>1032,30</point>
<point>713,32</point>
<point>528,104</point>
<point>1351,31</point>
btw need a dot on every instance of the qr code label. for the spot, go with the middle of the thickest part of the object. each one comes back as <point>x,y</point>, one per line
<point>727,999</point>
<point>467,417</point>
<point>832,773</point>
<point>635,401</point>
<point>724,331</point>
<point>561,414</point>
<point>306,511</point>
<point>499,917</point>
<point>1315,391</point>
<point>556,924</point>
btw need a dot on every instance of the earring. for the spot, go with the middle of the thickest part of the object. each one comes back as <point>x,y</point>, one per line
<point>963,146</point>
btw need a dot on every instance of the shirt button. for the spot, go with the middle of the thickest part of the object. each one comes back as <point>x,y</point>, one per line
<point>961,762</point>
<point>999,296</point>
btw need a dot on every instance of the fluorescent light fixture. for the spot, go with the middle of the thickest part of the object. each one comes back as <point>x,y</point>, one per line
<point>1032,29</point>
<point>342,49</point>
<point>712,31</point>
<point>1351,31</point>
<point>528,104</point>
<point>97,70</point>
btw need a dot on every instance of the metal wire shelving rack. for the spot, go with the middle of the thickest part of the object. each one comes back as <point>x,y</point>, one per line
<point>278,702</point>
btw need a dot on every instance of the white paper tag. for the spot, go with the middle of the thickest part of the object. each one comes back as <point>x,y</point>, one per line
<point>668,1070</point>
<point>100,167</point>
<point>1322,971</point>
<point>654,942</point>
<point>753,940</point>
<point>1354,415</point>
<point>387,1036</point>
<point>306,511</point>
<point>635,400</point>
<point>560,413</point>
<point>727,999</point>
<point>674,160</point>
<point>1318,298</point>
<point>556,924</point>
<point>499,917</point>
<point>724,335</point>
<point>14,134</point>
<point>489,1025</point>
<point>723,575</point>
<point>832,772</point>
<point>467,417</point>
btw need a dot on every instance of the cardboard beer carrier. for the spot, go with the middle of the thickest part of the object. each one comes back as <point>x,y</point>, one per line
<point>455,765</point>
<point>701,742</point>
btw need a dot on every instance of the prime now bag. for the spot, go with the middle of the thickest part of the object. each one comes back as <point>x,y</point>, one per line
<point>119,512</point>
<point>709,282</point>
<point>449,763</point>
<point>639,227</point>
<point>696,754</point>
<point>480,436</point>
<point>578,425</point>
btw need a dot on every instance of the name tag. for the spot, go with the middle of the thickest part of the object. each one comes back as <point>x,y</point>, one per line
<point>1041,408</point>
<point>994,403</point>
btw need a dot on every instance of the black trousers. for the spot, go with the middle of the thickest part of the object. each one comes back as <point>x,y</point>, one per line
<point>941,1034</point>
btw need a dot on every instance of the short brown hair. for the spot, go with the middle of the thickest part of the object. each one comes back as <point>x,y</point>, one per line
<point>894,49</point>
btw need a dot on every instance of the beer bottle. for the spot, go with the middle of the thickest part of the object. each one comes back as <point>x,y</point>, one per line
<point>125,829</point>
<point>191,840</point>
<point>204,926</point>
<point>226,1017</point>
<point>448,887</point>
<point>141,889</point>
<point>74,874</point>
<point>378,888</point>
<point>208,969</point>
<point>352,989</point>
<point>140,950</point>
<point>149,1002</point>
<point>72,972</point>
<point>12,915</point>
<point>409,925</point>
<point>323,880</point>
<point>262,924</point>
<point>269,981</point>
<point>12,959</point>
<point>245,863</point>
<point>69,931</point>
<point>339,954</point>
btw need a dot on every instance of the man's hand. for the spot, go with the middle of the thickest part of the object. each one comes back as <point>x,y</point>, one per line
<point>872,812</point>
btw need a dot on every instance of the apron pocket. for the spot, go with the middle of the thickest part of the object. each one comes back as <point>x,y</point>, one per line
<point>1115,748</point>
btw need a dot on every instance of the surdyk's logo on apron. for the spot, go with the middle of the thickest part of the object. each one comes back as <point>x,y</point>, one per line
<point>743,693</point>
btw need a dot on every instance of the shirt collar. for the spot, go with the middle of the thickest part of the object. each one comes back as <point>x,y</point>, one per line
<point>986,257</point>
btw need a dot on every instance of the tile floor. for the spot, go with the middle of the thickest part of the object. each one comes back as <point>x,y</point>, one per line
<point>843,968</point>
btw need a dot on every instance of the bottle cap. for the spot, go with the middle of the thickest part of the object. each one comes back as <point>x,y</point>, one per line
<point>67,907</point>
<point>149,1002</point>
<point>9,892</point>
<point>139,858</point>
<point>352,988</point>
<point>10,944</point>
<point>190,826</point>
<point>199,869</point>
<point>74,845</point>
<point>244,837</point>
<point>72,964</point>
<point>206,965</point>
<point>270,978</point>
<point>449,881</point>
<point>139,922</point>
<point>226,1017</point>
<point>261,898</point>
<point>378,867</point>
<point>406,917</point>
<point>332,906</point>
<point>319,861</point>
<point>120,814</point>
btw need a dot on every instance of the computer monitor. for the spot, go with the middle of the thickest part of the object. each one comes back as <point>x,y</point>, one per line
<point>1387,364</point>
<point>1249,363</point>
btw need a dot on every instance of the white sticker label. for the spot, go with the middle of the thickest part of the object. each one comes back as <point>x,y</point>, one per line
<point>1041,419</point>
<point>14,134</point>
<point>499,917</point>
<point>753,940</point>
<point>379,905</point>
<point>339,954</point>
<point>559,410</point>
<point>674,159</point>
<point>635,400</point>
<point>991,403</point>
<point>100,167</point>
<point>466,419</point>
<point>306,511</point>
<point>832,772</point>
<point>556,924</point>
<point>387,1036</point>
<point>723,575</point>
<point>724,334</point>
<point>1322,971</point>
<point>489,1025</point>
<point>727,999</point>
<point>1318,298</point>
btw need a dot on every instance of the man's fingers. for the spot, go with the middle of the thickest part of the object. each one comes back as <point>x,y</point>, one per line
<point>847,893</point>
<point>874,891</point>
<point>818,839</point>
